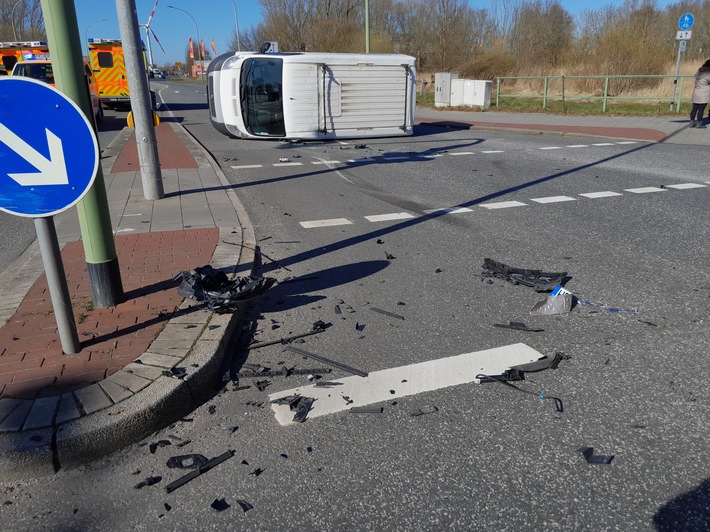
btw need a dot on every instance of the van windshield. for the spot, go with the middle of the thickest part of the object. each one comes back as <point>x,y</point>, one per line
<point>40,71</point>
<point>261,97</point>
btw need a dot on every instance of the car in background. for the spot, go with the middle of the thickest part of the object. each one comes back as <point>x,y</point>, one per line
<point>42,70</point>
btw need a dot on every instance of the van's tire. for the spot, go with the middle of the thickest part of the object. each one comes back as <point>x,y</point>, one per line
<point>100,115</point>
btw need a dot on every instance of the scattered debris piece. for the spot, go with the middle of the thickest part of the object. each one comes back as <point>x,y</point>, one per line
<point>268,373</point>
<point>517,373</point>
<point>559,406</point>
<point>283,159</point>
<point>366,410</point>
<point>214,288</point>
<point>262,385</point>
<point>298,279</point>
<point>240,388</point>
<point>591,458</point>
<point>337,309</point>
<point>325,360</point>
<point>518,326</point>
<point>290,400</point>
<point>380,241</point>
<point>219,505</point>
<point>178,373</point>
<point>186,461</point>
<point>328,384</point>
<point>154,445</point>
<point>283,455</point>
<point>304,406</point>
<point>258,471</point>
<point>199,471</point>
<point>309,449</point>
<point>422,411</point>
<point>317,327</point>
<point>438,270</point>
<point>245,505</point>
<point>148,482</point>
<point>537,279</point>
<point>650,323</point>
<point>389,256</point>
<point>559,304</point>
<point>347,399</point>
<point>167,507</point>
<point>212,409</point>
<point>390,314</point>
<point>233,429</point>
<point>359,327</point>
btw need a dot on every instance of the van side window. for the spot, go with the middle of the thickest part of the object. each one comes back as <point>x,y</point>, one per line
<point>105,59</point>
<point>9,62</point>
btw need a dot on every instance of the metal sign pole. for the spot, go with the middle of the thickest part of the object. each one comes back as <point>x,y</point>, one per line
<point>57,283</point>
<point>675,80</point>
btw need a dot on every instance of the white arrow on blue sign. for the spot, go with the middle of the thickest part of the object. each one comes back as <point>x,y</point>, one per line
<point>48,149</point>
<point>685,22</point>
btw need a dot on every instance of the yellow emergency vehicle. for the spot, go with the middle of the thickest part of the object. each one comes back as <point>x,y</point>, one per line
<point>14,51</point>
<point>109,66</point>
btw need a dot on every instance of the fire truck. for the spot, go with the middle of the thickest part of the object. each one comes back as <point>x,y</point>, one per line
<point>12,52</point>
<point>109,67</point>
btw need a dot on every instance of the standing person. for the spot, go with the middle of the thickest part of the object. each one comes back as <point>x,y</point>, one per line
<point>701,95</point>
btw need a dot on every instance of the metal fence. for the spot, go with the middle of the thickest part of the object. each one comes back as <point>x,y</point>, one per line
<point>550,95</point>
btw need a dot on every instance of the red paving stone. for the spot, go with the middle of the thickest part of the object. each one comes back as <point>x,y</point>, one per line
<point>172,152</point>
<point>32,363</point>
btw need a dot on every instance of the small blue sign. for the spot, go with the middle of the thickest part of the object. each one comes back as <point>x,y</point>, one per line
<point>685,22</point>
<point>48,149</point>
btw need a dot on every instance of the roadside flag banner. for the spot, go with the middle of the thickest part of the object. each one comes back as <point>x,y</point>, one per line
<point>192,53</point>
<point>214,48</point>
<point>202,48</point>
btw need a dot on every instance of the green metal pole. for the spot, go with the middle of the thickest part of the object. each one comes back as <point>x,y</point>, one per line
<point>680,96</point>
<point>94,219</point>
<point>497,91</point>
<point>606,93</point>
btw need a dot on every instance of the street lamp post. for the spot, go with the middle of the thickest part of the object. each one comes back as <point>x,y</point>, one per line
<point>199,47</point>
<point>86,33</point>
<point>367,26</point>
<point>236,22</point>
<point>12,19</point>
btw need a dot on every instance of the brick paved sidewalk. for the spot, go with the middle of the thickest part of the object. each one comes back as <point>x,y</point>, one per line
<point>31,361</point>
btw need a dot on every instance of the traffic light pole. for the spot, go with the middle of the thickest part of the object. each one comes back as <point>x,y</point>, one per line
<point>94,219</point>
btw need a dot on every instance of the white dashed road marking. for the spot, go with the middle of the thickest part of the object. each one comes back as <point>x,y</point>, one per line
<point>462,153</point>
<point>326,223</point>
<point>552,199</point>
<point>503,205</point>
<point>392,383</point>
<point>325,162</point>
<point>551,148</point>
<point>578,146</point>
<point>603,144</point>
<point>288,164</point>
<point>388,217</point>
<point>448,210</point>
<point>628,142</point>
<point>603,194</point>
<point>645,190</point>
<point>493,151</point>
<point>684,186</point>
<point>245,166</point>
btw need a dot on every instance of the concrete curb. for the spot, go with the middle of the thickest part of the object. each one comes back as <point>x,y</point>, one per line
<point>136,401</point>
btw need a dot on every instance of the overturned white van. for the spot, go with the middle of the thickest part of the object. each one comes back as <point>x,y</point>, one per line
<point>312,95</point>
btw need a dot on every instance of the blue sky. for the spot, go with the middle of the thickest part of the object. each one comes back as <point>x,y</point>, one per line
<point>215,20</point>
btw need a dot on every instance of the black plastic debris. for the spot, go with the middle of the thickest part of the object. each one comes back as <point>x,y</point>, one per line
<point>186,461</point>
<point>328,384</point>
<point>258,471</point>
<point>598,459</point>
<point>559,406</point>
<point>317,327</point>
<point>366,410</point>
<point>290,400</point>
<point>220,295</point>
<point>304,406</point>
<point>167,507</point>
<point>389,256</point>
<point>386,313</point>
<point>269,373</point>
<point>154,445</point>
<point>219,505</point>
<point>517,326</point>
<point>359,327</point>
<point>539,280</point>
<point>262,385</point>
<point>326,360</point>
<point>348,400</point>
<point>424,410</point>
<point>178,373</point>
<point>245,505</point>
<point>199,471</point>
<point>148,482</point>
<point>212,409</point>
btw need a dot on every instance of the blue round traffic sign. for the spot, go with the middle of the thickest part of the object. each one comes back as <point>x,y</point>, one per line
<point>685,22</point>
<point>48,149</point>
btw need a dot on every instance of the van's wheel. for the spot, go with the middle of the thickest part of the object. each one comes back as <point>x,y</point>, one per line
<point>100,115</point>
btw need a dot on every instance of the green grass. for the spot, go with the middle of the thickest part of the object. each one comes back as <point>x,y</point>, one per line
<point>656,107</point>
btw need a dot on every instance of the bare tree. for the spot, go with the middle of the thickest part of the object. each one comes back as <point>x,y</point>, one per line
<point>27,20</point>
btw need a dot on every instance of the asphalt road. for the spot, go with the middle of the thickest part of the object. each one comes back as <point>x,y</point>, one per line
<point>489,457</point>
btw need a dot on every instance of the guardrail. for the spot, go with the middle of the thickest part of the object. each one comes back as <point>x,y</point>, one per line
<point>605,97</point>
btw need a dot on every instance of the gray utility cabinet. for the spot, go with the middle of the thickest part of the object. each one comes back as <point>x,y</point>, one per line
<point>442,88</point>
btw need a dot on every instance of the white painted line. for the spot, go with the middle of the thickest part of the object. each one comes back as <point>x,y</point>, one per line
<point>552,148</point>
<point>604,144</point>
<point>503,204</point>
<point>126,230</point>
<point>326,223</point>
<point>396,158</point>
<point>448,210</point>
<point>462,153</point>
<point>603,194</point>
<point>683,186</point>
<point>245,166</point>
<point>127,215</point>
<point>645,190</point>
<point>627,142</point>
<point>553,199</point>
<point>388,217</point>
<point>406,380</point>
<point>325,162</point>
<point>492,151</point>
<point>288,164</point>
<point>431,156</point>
<point>578,146</point>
